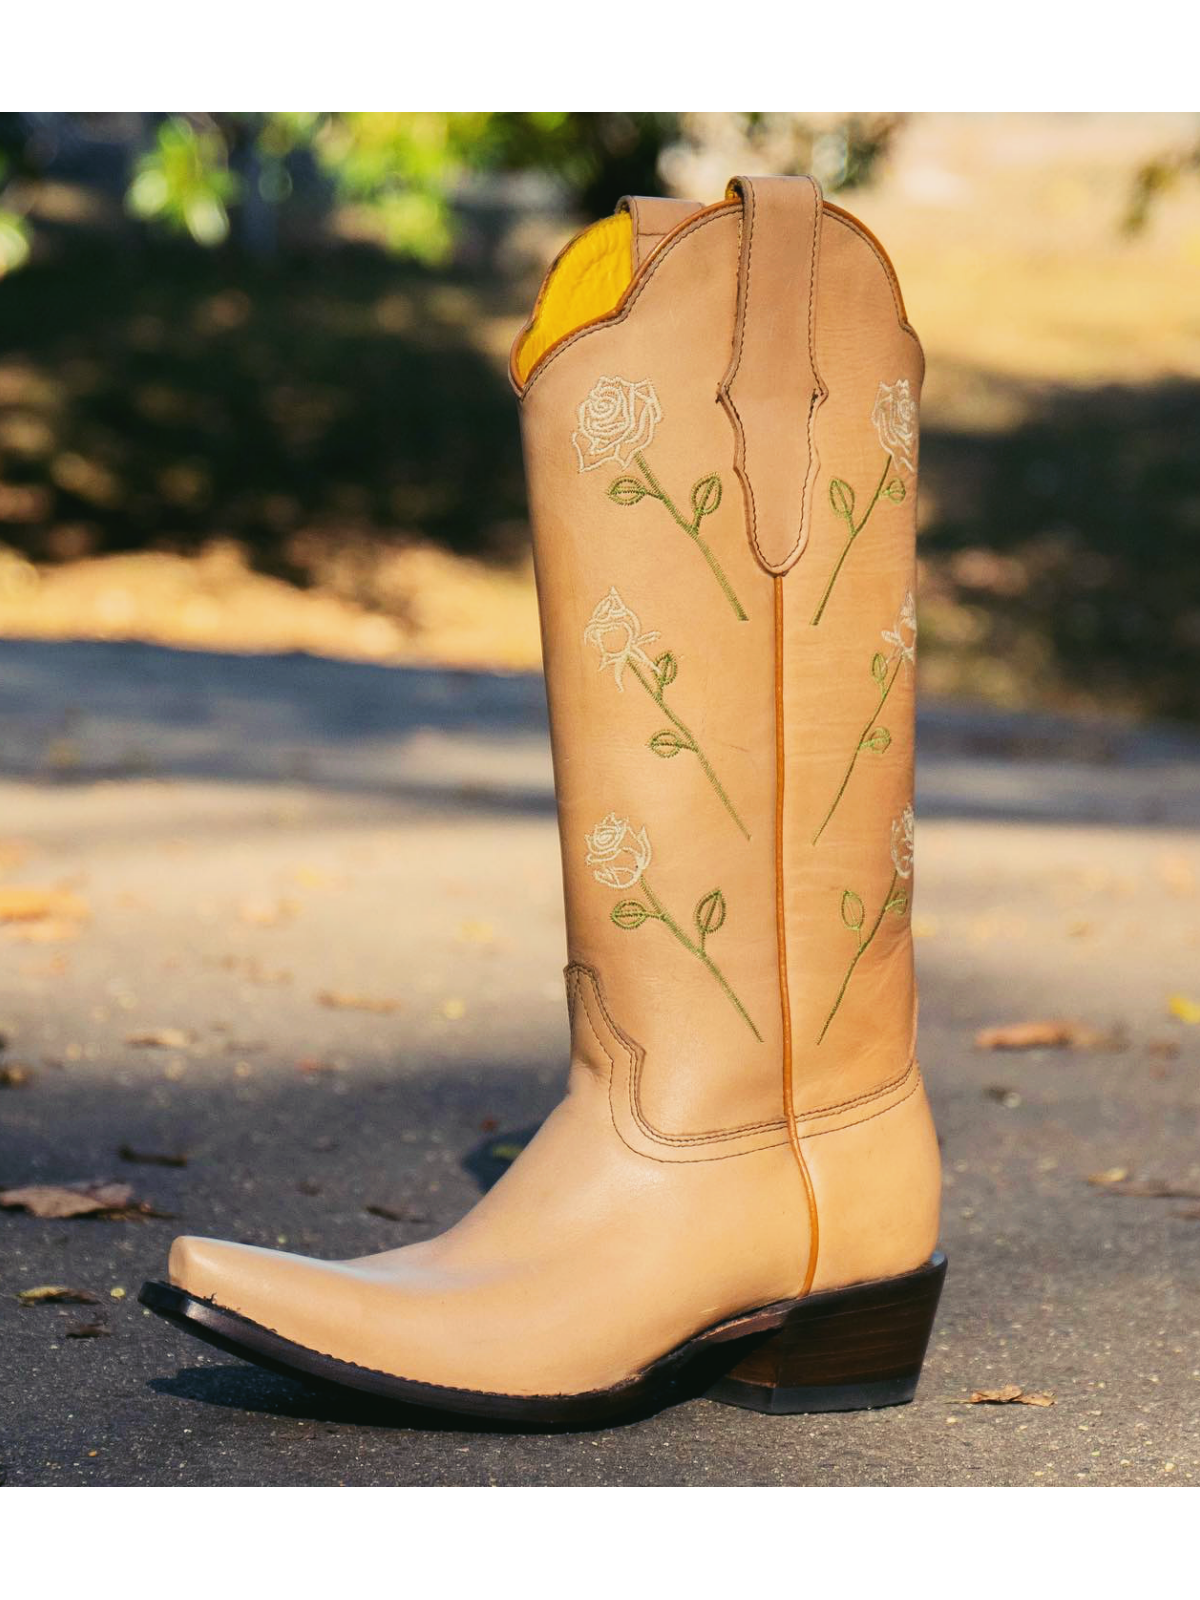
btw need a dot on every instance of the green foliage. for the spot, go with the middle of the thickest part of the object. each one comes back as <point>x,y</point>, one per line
<point>184,181</point>
<point>14,241</point>
<point>14,232</point>
<point>398,171</point>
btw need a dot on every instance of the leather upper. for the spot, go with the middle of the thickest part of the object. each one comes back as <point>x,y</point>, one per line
<point>722,482</point>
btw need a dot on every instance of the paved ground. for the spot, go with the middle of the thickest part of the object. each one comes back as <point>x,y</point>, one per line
<point>250,833</point>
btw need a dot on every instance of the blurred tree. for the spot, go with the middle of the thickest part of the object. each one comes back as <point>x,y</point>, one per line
<point>221,176</point>
<point>1158,177</point>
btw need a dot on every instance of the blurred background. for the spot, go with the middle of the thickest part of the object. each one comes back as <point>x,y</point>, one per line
<point>253,392</point>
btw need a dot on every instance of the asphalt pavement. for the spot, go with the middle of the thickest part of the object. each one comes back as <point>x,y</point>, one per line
<point>308,935</point>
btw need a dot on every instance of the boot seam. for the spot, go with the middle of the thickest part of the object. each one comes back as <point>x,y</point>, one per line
<point>636,1056</point>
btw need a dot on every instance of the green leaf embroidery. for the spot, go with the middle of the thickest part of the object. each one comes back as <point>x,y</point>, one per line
<point>629,914</point>
<point>706,496</point>
<point>709,914</point>
<point>885,670</point>
<point>666,744</point>
<point>841,498</point>
<point>854,917</point>
<point>627,491</point>
<point>611,622</point>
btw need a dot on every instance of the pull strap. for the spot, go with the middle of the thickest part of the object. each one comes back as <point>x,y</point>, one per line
<point>772,390</point>
<point>653,218</point>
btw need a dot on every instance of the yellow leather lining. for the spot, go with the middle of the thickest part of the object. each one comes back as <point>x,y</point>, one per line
<point>584,284</point>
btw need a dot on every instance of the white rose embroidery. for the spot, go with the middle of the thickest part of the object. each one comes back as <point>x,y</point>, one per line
<point>617,634</point>
<point>621,855</point>
<point>902,842</point>
<point>616,420</point>
<point>906,623</point>
<point>895,419</point>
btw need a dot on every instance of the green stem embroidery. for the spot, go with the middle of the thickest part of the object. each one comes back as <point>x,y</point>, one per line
<point>841,497</point>
<point>871,738</point>
<point>708,917</point>
<point>706,497</point>
<point>853,915</point>
<point>666,744</point>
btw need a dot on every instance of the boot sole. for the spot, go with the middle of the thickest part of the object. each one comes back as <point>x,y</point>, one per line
<point>844,1350</point>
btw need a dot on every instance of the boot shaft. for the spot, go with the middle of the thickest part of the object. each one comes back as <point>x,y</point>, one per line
<point>722,472</point>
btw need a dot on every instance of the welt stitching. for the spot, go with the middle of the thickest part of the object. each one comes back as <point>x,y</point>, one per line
<point>636,1057</point>
<point>819,393</point>
<point>687,231</point>
<point>820,1133</point>
<point>731,1155</point>
<point>619,316</point>
<point>859,1099</point>
<point>888,272</point>
<point>727,388</point>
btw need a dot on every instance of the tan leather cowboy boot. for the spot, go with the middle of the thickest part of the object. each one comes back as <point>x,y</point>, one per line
<point>739,1194</point>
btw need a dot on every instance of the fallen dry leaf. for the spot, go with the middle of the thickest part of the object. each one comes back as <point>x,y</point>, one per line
<point>340,1000</point>
<point>14,1077</point>
<point>57,1294</point>
<point>1056,1034</point>
<point>159,1039</point>
<point>1109,1175</point>
<point>1186,1009</point>
<point>1010,1099</point>
<point>88,1330</point>
<point>394,1214</point>
<point>98,1198</point>
<point>68,1199</point>
<point>1164,1049</point>
<point>33,905</point>
<point>151,1158</point>
<point>311,1067</point>
<point>1151,1189</point>
<point>1011,1395</point>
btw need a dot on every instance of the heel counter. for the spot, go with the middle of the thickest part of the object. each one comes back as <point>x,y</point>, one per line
<point>878,1186</point>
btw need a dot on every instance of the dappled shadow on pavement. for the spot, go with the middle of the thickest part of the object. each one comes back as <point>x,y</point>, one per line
<point>79,713</point>
<point>1070,542</point>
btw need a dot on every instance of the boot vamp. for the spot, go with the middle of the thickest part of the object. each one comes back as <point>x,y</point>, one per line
<point>586,1262</point>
